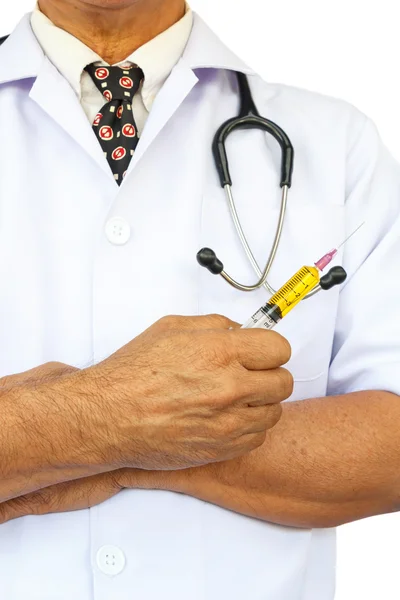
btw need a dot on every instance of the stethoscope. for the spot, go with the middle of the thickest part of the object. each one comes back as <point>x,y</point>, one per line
<point>249,118</point>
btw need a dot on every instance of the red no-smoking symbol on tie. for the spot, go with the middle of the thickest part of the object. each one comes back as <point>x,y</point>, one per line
<point>102,73</point>
<point>118,153</point>
<point>119,112</point>
<point>107,95</point>
<point>106,133</point>
<point>97,119</point>
<point>126,82</point>
<point>128,130</point>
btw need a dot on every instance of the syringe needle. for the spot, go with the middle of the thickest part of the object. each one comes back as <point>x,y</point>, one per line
<point>327,258</point>
<point>351,235</point>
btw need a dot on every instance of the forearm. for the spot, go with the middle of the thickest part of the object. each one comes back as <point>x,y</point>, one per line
<point>46,433</point>
<point>328,461</point>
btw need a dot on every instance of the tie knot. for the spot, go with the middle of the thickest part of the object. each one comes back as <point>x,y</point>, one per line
<point>116,83</point>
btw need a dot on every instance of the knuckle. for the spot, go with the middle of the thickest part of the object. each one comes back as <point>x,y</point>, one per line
<point>52,365</point>
<point>58,368</point>
<point>229,392</point>
<point>258,439</point>
<point>273,415</point>
<point>245,444</point>
<point>284,348</point>
<point>215,350</point>
<point>229,428</point>
<point>270,344</point>
<point>168,322</point>
<point>205,353</point>
<point>285,382</point>
<point>278,346</point>
<point>217,320</point>
<point>52,370</point>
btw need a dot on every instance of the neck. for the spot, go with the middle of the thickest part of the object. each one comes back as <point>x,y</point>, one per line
<point>113,32</point>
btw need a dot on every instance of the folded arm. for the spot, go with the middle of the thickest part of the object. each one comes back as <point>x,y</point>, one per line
<point>327,462</point>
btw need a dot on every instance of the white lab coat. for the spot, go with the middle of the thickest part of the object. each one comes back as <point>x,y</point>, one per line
<point>70,292</point>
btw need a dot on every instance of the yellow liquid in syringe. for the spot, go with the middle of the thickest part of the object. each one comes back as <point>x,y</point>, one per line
<point>298,286</point>
<point>289,295</point>
<point>295,289</point>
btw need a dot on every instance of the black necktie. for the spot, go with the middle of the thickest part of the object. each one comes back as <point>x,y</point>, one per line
<point>115,125</point>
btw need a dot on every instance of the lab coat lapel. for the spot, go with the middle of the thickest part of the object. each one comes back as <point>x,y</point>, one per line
<point>204,50</point>
<point>56,97</point>
<point>24,60</point>
<point>177,87</point>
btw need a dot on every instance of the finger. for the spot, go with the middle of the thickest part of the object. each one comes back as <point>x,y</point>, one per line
<point>257,349</point>
<point>259,388</point>
<point>250,421</point>
<point>260,418</point>
<point>196,322</point>
<point>248,443</point>
<point>62,497</point>
<point>142,479</point>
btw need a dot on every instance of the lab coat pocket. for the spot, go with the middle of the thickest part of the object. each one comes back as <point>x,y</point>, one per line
<point>309,231</point>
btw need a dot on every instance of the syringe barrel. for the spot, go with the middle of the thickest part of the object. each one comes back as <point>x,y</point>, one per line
<point>262,319</point>
<point>295,289</point>
<point>285,299</point>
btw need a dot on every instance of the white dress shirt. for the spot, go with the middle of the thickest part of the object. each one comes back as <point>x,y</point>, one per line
<point>70,56</point>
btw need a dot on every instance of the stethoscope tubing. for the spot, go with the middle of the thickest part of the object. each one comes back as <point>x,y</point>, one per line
<point>250,119</point>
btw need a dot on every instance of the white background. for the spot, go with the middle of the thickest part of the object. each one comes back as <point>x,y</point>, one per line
<point>348,49</point>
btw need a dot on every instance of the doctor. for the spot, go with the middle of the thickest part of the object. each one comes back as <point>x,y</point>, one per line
<point>151,457</point>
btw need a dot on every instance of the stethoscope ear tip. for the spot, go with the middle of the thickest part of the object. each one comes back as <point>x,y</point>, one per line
<point>336,276</point>
<point>208,259</point>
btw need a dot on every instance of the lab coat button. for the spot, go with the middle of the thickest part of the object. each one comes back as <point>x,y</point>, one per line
<point>110,560</point>
<point>118,231</point>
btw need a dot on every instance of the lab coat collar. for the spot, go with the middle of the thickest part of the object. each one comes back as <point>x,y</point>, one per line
<point>21,56</point>
<point>205,50</point>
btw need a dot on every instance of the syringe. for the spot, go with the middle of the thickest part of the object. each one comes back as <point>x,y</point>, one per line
<point>298,286</point>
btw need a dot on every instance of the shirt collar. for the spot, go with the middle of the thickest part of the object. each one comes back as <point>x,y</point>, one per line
<point>67,53</point>
<point>21,56</point>
<point>156,58</point>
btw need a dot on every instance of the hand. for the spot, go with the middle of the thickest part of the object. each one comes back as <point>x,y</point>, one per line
<point>71,495</point>
<point>63,497</point>
<point>87,492</point>
<point>188,391</point>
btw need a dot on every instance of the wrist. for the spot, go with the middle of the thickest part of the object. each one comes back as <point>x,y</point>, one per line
<point>71,418</point>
